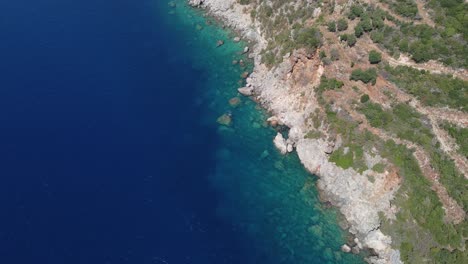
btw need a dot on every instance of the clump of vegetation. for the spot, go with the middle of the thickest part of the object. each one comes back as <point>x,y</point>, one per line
<point>379,167</point>
<point>452,15</point>
<point>355,11</point>
<point>329,84</point>
<point>375,57</point>
<point>350,39</point>
<point>342,159</point>
<point>283,24</point>
<point>460,135</point>
<point>309,38</point>
<point>419,204</point>
<point>404,122</point>
<point>431,89</point>
<point>342,24</point>
<point>446,43</point>
<point>331,25</point>
<point>364,98</point>
<point>314,134</point>
<point>405,8</point>
<point>366,76</point>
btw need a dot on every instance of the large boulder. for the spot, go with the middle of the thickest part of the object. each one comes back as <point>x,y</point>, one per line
<point>280,143</point>
<point>345,248</point>
<point>195,3</point>
<point>247,91</point>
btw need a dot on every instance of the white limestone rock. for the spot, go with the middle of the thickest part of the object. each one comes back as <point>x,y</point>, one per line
<point>280,143</point>
<point>246,91</point>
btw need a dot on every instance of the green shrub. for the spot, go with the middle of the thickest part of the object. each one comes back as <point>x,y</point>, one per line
<point>406,8</point>
<point>341,159</point>
<point>431,89</point>
<point>342,24</point>
<point>377,36</point>
<point>352,40</point>
<point>366,24</point>
<point>329,84</point>
<point>374,57</point>
<point>365,98</point>
<point>356,11</point>
<point>310,38</point>
<point>358,30</point>
<point>366,76</point>
<point>322,54</point>
<point>460,135</point>
<point>331,25</point>
<point>334,54</point>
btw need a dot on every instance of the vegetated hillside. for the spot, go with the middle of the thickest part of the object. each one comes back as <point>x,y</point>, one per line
<point>389,90</point>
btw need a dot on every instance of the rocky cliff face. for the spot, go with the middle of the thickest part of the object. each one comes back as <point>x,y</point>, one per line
<point>287,91</point>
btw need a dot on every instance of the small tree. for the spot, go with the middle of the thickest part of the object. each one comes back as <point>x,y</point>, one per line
<point>342,24</point>
<point>356,11</point>
<point>364,98</point>
<point>334,54</point>
<point>366,24</point>
<point>365,76</point>
<point>352,40</point>
<point>322,54</point>
<point>374,57</point>
<point>377,37</point>
<point>344,37</point>
<point>331,26</point>
<point>358,30</point>
<point>310,38</point>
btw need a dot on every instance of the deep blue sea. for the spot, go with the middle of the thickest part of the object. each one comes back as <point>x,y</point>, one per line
<point>110,151</point>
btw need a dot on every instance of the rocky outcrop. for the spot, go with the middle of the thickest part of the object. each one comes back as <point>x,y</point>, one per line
<point>247,91</point>
<point>282,91</point>
<point>195,3</point>
<point>280,143</point>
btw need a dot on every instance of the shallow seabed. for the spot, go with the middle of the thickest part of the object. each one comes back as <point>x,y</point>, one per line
<point>269,198</point>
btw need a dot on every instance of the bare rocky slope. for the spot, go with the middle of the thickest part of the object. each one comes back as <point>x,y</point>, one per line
<point>329,119</point>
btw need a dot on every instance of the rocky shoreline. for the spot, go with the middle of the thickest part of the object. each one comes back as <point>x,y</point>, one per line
<point>291,101</point>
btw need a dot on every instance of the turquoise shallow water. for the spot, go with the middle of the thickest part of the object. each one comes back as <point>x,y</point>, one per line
<point>268,198</point>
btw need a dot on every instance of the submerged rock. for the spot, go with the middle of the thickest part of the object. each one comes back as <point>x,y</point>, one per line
<point>265,154</point>
<point>279,165</point>
<point>219,43</point>
<point>244,75</point>
<point>236,39</point>
<point>225,120</point>
<point>234,102</point>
